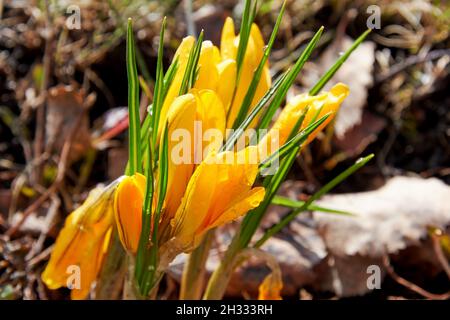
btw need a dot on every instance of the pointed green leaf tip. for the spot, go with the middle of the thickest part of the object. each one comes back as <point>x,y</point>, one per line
<point>134,130</point>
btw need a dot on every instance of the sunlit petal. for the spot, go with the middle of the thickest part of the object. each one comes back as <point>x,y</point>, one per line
<point>81,242</point>
<point>128,201</point>
<point>182,54</point>
<point>326,102</point>
<point>219,191</point>
<point>180,121</point>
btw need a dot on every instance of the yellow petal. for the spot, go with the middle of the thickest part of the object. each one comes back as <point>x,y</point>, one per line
<point>257,42</point>
<point>195,204</point>
<point>263,86</point>
<point>211,118</point>
<point>208,74</point>
<point>227,81</point>
<point>240,206</point>
<point>128,202</point>
<point>228,48</point>
<point>326,102</point>
<point>331,102</point>
<point>237,174</point>
<point>81,242</point>
<point>270,288</point>
<point>182,54</point>
<point>252,58</point>
<point>181,117</point>
<point>218,192</point>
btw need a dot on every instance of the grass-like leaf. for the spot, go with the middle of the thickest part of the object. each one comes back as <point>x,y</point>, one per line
<point>272,183</point>
<point>244,34</point>
<point>190,73</point>
<point>134,148</point>
<point>294,142</point>
<point>146,259</point>
<point>163,170</point>
<point>158,96</point>
<point>194,69</point>
<point>139,58</point>
<point>147,277</point>
<point>267,117</point>
<point>250,223</point>
<point>330,73</point>
<point>275,181</point>
<point>146,217</point>
<point>144,87</point>
<point>295,204</point>
<point>277,93</point>
<point>264,100</point>
<point>325,189</point>
<point>291,152</point>
<point>146,126</point>
<point>170,74</point>
<point>245,106</point>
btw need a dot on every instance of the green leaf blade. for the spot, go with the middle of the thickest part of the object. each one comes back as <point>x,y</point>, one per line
<point>330,73</point>
<point>245,106</point>
<point>325,189</point>
<point>295,204</point>
<point>135,158</point>
<point>265,120</point>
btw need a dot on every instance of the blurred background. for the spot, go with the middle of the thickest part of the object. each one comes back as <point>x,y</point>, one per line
<point>63,120</point>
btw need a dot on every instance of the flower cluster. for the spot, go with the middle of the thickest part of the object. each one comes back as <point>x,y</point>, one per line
<point>200,196</point>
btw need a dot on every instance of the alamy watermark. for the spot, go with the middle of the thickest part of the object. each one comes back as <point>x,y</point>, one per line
<point>73,21</point>
<point>374,279</point>
<point>74,277</point>
<point>374,19</point>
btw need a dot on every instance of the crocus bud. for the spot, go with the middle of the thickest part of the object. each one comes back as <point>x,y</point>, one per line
<point>318,106</point>
<point>128,202</point>
<point>82,243</point>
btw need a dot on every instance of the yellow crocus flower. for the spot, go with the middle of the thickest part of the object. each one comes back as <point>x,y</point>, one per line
<point>214,73</point>
<point>205,107</point>
<point>200,196</point>
<point>82,244</point>
<point>325,102</point>
<point>217,193</point>
<point>84,239</point>
<point>253,55</point>
<point>217,71</point>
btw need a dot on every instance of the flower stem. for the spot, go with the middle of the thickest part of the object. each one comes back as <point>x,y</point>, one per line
<point>218,282</point>
<point>129,287</point>
<point>193,278</point>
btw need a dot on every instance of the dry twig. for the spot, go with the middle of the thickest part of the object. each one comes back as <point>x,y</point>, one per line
<point>411,286</point>
<point>440,254</point>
